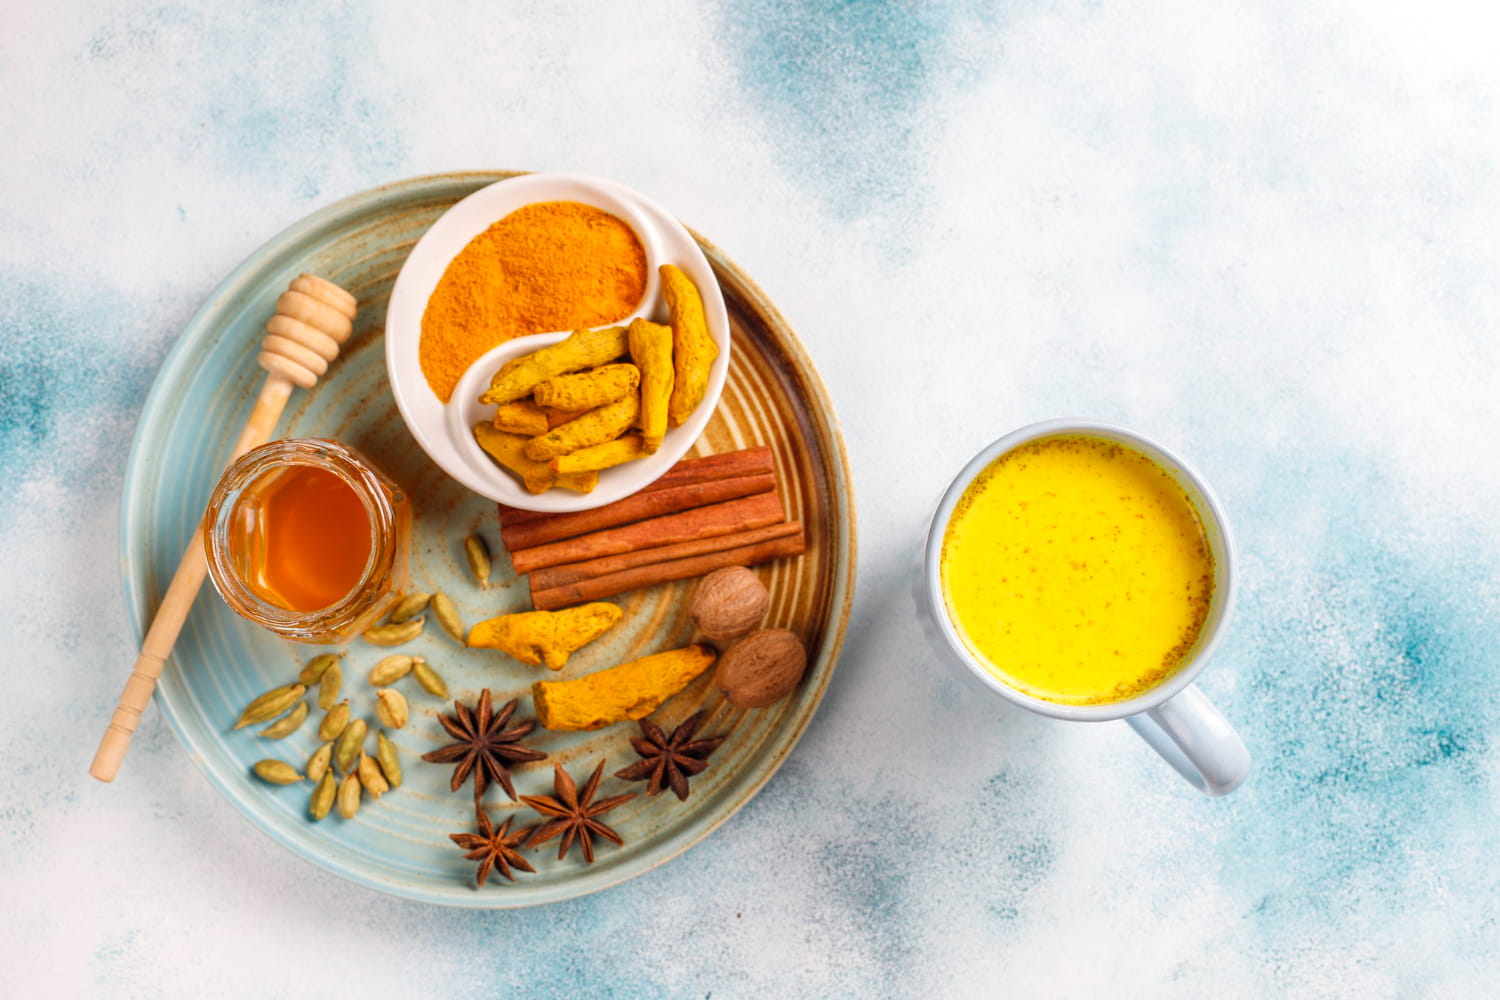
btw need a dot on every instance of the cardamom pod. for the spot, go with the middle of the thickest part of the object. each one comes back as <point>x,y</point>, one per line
<point>391,709</point>
<point>322,796</point>
<point>271,704</point>
<point>277,772</point>
<point>409,606</point>
<point>319,762</point>
<point>315,667</point>
<point>287,724</point>
<point>334,721</point>
<point>351,743</point>
<point>428,678</point>
<point>477,551</point>
<point>447,616</point>
<point>349,796</point>
<point>390,670</point>
<point>388,758</point>
<point>394,635</point>
<point>371,778</point>
<point>328,686</point>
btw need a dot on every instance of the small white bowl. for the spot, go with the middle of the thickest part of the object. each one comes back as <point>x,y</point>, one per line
<point>444,431</point>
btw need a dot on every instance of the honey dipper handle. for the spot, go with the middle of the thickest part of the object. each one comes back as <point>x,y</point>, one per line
<point>313,318</point>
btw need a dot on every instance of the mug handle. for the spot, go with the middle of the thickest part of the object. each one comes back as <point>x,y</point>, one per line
<point>1195,738</point>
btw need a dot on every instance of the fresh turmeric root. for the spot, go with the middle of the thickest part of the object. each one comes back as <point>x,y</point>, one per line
<point>693,350</point>
<point>583,349</point>
<point>651,350</point>
<point>509,450</point>
<point>594,427</point>
<point>550,637</point>
<point>588,390</point>
<point>630,691</point>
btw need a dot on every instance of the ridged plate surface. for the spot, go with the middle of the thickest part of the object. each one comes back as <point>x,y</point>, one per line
<point>399,843</point>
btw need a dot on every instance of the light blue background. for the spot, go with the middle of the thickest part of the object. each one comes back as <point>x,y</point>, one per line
<point>1263,233</point>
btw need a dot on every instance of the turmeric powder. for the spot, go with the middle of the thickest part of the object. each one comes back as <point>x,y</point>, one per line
<point>555,265</point>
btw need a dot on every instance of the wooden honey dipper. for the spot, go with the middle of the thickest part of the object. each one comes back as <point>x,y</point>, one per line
<point>313,319</point>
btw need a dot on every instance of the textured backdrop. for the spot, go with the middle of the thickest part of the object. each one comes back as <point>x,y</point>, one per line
<point>1263,233</point>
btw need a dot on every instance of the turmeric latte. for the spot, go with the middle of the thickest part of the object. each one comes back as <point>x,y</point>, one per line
<point>1076,570</point>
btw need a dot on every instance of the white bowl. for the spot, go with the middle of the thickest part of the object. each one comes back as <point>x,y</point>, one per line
<point>444,431</point>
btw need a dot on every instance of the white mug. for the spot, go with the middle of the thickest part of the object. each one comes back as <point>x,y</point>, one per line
<point>1173,716</point>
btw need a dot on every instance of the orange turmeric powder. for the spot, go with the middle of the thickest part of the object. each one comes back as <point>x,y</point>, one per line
<point>555,265</point>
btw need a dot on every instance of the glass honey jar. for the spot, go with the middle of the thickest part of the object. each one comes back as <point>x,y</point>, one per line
<point>308,539</point>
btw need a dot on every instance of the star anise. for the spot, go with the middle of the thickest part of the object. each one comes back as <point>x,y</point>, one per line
<point>494,849</point>
<point>666,761</point>
<point>574,813</point>
<point>484,745</point>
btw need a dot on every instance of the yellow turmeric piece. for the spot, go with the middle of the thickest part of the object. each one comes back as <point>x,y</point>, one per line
<point>651,350</point>
<point>693,350</point>
<point>594,427</point>
<point>590,389</point>
<point>600,456</point>
<point>525,417</point>
<point>521,417</point>
<point>557,265</point>
<point>630,691</point>
<point>550,637</point>
<point>537,477</point>
<point>582,349</point>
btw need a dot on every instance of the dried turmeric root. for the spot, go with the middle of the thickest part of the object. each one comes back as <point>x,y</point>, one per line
<point>594,427</point>
<point>600,456</point>
<point>525,417</point>
<point>536,477</point>
<point>630,691</point>
<point>550,637</point>
<point>651,350</point>
<point>589,390</point>
<point>583,349</point>
<point>693,350</point>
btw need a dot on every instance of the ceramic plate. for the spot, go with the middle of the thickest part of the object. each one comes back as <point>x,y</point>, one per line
<point>399,843</point>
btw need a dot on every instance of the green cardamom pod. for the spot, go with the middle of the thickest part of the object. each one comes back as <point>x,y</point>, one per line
<point>271,704</point>
<point>319,763</point>
<point>388,758</point>
<point>315,667</point>
<point>277,772</point>
<point>391,708</point>
<point>447,616</point>
<point>287,724</point>
<point>371,778</point>
<point>334,721</point>
<point>394,635</point>
<point>328,686</point>
<point>350,744</point>
<point>428,678</point>
<point>408,607</point>
<point>322,796</point>
<point>390,669</point>
<point>349,796</point>
<point>477,551</point>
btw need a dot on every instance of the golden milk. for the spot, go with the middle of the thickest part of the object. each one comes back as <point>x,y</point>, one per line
<point>1076,570</point>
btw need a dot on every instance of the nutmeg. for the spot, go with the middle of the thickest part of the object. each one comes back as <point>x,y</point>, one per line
<point>761,668</point>
<point>728,603</point>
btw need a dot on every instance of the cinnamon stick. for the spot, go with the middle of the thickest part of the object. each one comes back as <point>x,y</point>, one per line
<point>558,576</point>
<point>611,584</point>
<point>726,465</point>
<point>755,511</point>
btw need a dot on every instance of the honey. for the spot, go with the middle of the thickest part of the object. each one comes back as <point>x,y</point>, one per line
<point>308,539</point>
<point>305,540</point>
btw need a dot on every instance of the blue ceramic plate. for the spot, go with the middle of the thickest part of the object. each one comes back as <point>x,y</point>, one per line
<point>399,844</point>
